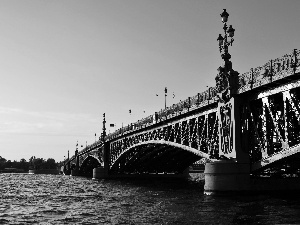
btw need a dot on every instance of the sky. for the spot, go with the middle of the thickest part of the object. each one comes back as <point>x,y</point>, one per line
<point>63,63</point>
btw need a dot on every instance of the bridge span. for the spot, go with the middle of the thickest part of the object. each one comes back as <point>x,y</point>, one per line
<point>247,126</point>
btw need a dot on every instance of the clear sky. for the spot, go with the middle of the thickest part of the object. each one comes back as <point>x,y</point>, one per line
<point>63,63</point>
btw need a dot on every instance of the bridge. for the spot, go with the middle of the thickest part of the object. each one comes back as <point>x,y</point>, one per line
<point>248,125</point>
<point>245,129</point>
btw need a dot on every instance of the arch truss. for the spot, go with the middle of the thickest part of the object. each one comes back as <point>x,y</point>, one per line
<point>197,134</point>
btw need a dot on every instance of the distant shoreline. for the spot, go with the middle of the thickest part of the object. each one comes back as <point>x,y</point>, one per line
<point>13,170</point>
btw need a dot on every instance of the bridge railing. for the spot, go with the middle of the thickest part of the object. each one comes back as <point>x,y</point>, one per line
<point>191,103</point>
<point>271,71</point>
<point>86,149</point>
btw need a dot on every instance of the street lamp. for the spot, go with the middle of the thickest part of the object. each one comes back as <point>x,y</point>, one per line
<point>224,42</point>
<point>224,79</point>
<point>224,16</point>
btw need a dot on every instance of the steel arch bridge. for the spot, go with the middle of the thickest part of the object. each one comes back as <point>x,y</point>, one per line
<point>260,124</point>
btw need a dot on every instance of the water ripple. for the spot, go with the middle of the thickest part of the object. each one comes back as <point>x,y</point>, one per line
<point>55,199</point>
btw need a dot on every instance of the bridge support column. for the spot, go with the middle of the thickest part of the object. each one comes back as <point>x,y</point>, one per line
<point>232,171</point>
<point>99,173</point>
<point>224,176</point>
<point>66,169</point>
<point>102,172</point>
<point>77,162</point>
<point>75,171</point>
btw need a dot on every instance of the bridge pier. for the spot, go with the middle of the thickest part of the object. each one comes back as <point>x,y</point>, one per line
<point>100,173</point>
<point>232,171</point>
<point>222,176</point>
<point>75,172</point>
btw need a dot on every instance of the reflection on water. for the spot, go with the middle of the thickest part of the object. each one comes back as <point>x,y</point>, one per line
<point>56,199</point>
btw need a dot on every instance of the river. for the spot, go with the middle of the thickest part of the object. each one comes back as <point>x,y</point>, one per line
<point>58,199</point>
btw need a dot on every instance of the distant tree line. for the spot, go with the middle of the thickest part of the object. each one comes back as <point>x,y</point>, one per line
<point>33,163</point>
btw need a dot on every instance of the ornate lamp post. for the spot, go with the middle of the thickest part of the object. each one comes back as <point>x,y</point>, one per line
<point>224,42</point>
<point>224,81</point>
<point>232,170</point>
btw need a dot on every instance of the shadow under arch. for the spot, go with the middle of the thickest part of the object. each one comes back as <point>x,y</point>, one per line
<point>156,156</point>
<point>88,164</point>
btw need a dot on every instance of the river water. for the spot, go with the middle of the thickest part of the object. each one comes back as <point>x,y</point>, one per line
<point>58,199</point>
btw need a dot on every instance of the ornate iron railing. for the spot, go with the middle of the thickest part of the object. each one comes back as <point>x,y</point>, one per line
<point>271,71</point>
<point>191,103</point>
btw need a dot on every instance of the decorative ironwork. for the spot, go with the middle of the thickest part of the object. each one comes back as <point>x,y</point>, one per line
<point>271,125</point>
<point>294,61</point>
<point>222,85</point>
<point>274,70</point>
<point>226,129</point>
<point>198,132</point>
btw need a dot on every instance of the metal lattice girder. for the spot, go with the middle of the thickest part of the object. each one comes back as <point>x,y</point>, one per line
<point>198,133</point>
<point>271,125</point>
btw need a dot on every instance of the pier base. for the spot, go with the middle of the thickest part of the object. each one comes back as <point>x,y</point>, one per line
<point>67,172</point>
<point>75,172</point>
<point>224,176</point>
<point>99,173</point>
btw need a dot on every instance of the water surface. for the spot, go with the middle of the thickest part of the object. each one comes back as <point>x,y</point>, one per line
<point>58,199</point>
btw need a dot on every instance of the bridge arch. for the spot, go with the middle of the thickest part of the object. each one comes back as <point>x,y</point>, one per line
<point>88,164</point>
<point>156,156</point>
